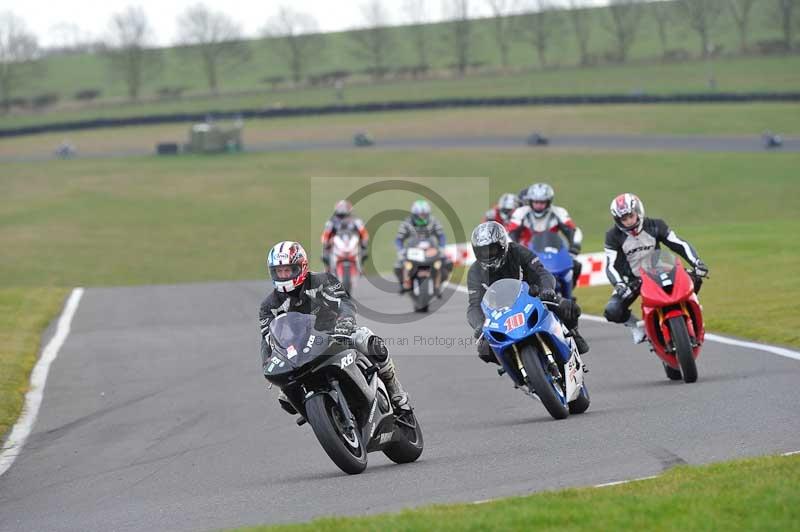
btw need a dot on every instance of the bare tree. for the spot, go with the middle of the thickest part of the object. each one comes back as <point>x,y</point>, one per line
<point>625,17</point>
<point>502,11</point>
<point>784,13</point>
<point>375,40</point>
<point>19,52</point>
<point>540,26</point>
<point>579,17</point>
<point>740,10</point>
<point>461,33</point>
<point>129,57</point>
<point>214,38</point>
<point>662,14</point>
<point>420,31</point>
<point>702,16</point>
<point>297,39</point>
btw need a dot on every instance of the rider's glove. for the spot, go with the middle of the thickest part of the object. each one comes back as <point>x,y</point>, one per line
<point>345,326</point>
<point>326,259</point>
<point>364,254</point>
<point>700,268</point>
<point>622,290</point>
<point>548,294</point>
<point>574,250</point>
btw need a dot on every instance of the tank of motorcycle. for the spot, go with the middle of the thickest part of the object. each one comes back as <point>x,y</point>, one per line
<point>512,315</point>
<point>553,252</point>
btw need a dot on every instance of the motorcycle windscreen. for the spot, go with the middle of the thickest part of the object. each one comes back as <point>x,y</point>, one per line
<point>660,267</point>
<point>552,251</point>
<point>292,329</point>
<point>502,294</point>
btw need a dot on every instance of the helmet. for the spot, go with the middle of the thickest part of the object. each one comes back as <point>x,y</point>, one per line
<point>421,213</point>
<point>343,209</point>
<point>626,204</point>
<point>540,192</point>
<point>506,204</point>
<point>490,245</point>
<point>291,254</point>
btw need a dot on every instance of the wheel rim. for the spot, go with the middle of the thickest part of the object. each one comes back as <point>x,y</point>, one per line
<point>562,396</point>
<point>350,437</point>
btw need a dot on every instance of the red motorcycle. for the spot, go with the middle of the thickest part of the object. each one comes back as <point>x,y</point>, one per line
<point>346,258</point>
<point>672,314</point>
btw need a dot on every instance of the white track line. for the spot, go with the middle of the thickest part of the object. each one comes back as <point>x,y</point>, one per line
<point>775,350</point>
<point>33,399</point>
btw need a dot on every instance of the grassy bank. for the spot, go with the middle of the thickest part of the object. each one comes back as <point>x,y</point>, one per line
<point>755,494</point>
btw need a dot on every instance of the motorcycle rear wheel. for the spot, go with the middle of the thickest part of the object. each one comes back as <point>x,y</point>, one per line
<point>346,450</point>
<point>410,445</point>
<point>545,389</point>
<point>683,348</point>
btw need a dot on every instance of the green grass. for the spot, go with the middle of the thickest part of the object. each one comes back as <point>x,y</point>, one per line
<point>753,494</point>
<point>24,313</point>
<point>732,74</point>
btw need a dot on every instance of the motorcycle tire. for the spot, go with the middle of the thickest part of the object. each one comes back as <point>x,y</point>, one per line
<point>347,451</point>
<point>553,402</point>
<point>672,374</point>
<point>410,444</point>
<point>683,348</point>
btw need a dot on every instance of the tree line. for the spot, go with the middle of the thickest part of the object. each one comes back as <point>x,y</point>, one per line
<point>215,43</point>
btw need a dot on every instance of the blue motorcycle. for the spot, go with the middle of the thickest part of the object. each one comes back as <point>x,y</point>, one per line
<point>553,252</point>
<point>534,348</point>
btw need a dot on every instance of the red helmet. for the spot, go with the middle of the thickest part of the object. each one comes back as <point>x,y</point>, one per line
<point>288,266</point>
<point>623,205</point>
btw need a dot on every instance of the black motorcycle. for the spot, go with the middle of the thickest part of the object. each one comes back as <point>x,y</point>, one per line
<point>423,266</point>
<point>336,388</point>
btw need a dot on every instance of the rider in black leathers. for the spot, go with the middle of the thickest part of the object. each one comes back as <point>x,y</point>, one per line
<point>498,258</point>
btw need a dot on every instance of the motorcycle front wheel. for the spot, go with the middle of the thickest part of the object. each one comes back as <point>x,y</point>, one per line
<point>543,384</point>
<point>683,348</point>
<point>343,446</point>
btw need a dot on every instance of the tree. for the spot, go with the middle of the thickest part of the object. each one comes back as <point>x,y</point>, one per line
<point>740,10</point>
<point>19,53</point>
<point>579,17</point>
<point>420,31</point>
<point>129,57</point>
<point>625,17</point>
<point>375,40</point>
<point>461,36</point>
<point>702,16</point>
<point>662,13</point>
<point>539,27</point>
<point>784,13</point>
<point>296,38</point>
<point>503,25</point>
<point>214,38</point>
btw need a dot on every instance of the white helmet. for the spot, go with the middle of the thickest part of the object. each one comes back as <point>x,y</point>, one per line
<point>623,205</point>
<point>540,192</point>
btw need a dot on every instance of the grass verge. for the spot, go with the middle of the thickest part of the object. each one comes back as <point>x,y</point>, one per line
<point>753,494</point>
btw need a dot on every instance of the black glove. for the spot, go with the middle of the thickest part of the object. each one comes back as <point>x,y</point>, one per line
<point>364,254</point>
<point>622,290</point>
<point>568,311</point>
<point>548,294</point>
<point>574,250</point>
<point>700,268</point>
<point>345,326</point>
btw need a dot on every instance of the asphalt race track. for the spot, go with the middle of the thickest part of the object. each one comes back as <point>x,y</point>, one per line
<point>156,417</point>
<point>589,142</point>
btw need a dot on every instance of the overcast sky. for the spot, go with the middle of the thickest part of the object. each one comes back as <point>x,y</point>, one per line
<point>57,22</point>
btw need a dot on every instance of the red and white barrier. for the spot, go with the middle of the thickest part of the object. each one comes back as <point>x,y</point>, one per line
<point>593,273</point>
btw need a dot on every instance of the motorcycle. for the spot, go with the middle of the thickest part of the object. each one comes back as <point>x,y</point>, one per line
<point>673,318</point>
<point>552,250</point>
<point>336,388</point>
<point>534,348</point>
<point>422,266</point>
<point>346,258</point>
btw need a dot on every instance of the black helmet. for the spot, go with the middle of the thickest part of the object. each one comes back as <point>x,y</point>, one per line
<point>490,245</point>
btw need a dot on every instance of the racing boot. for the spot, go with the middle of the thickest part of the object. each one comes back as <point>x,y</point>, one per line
<point>397,394</point>
<point>580,342</point>
<point>637,329</point>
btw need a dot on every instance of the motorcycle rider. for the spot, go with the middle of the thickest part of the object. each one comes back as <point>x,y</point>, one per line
<point>629,243</point>
<point>497,257</point>
<point>298,290</point>
<point>343,219</point>
<point>421,224</point>
<point>501,213</point>
<point>538,215</point>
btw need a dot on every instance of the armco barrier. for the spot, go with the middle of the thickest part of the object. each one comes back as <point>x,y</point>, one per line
<point>593,273</point>
<point>616,99</point>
